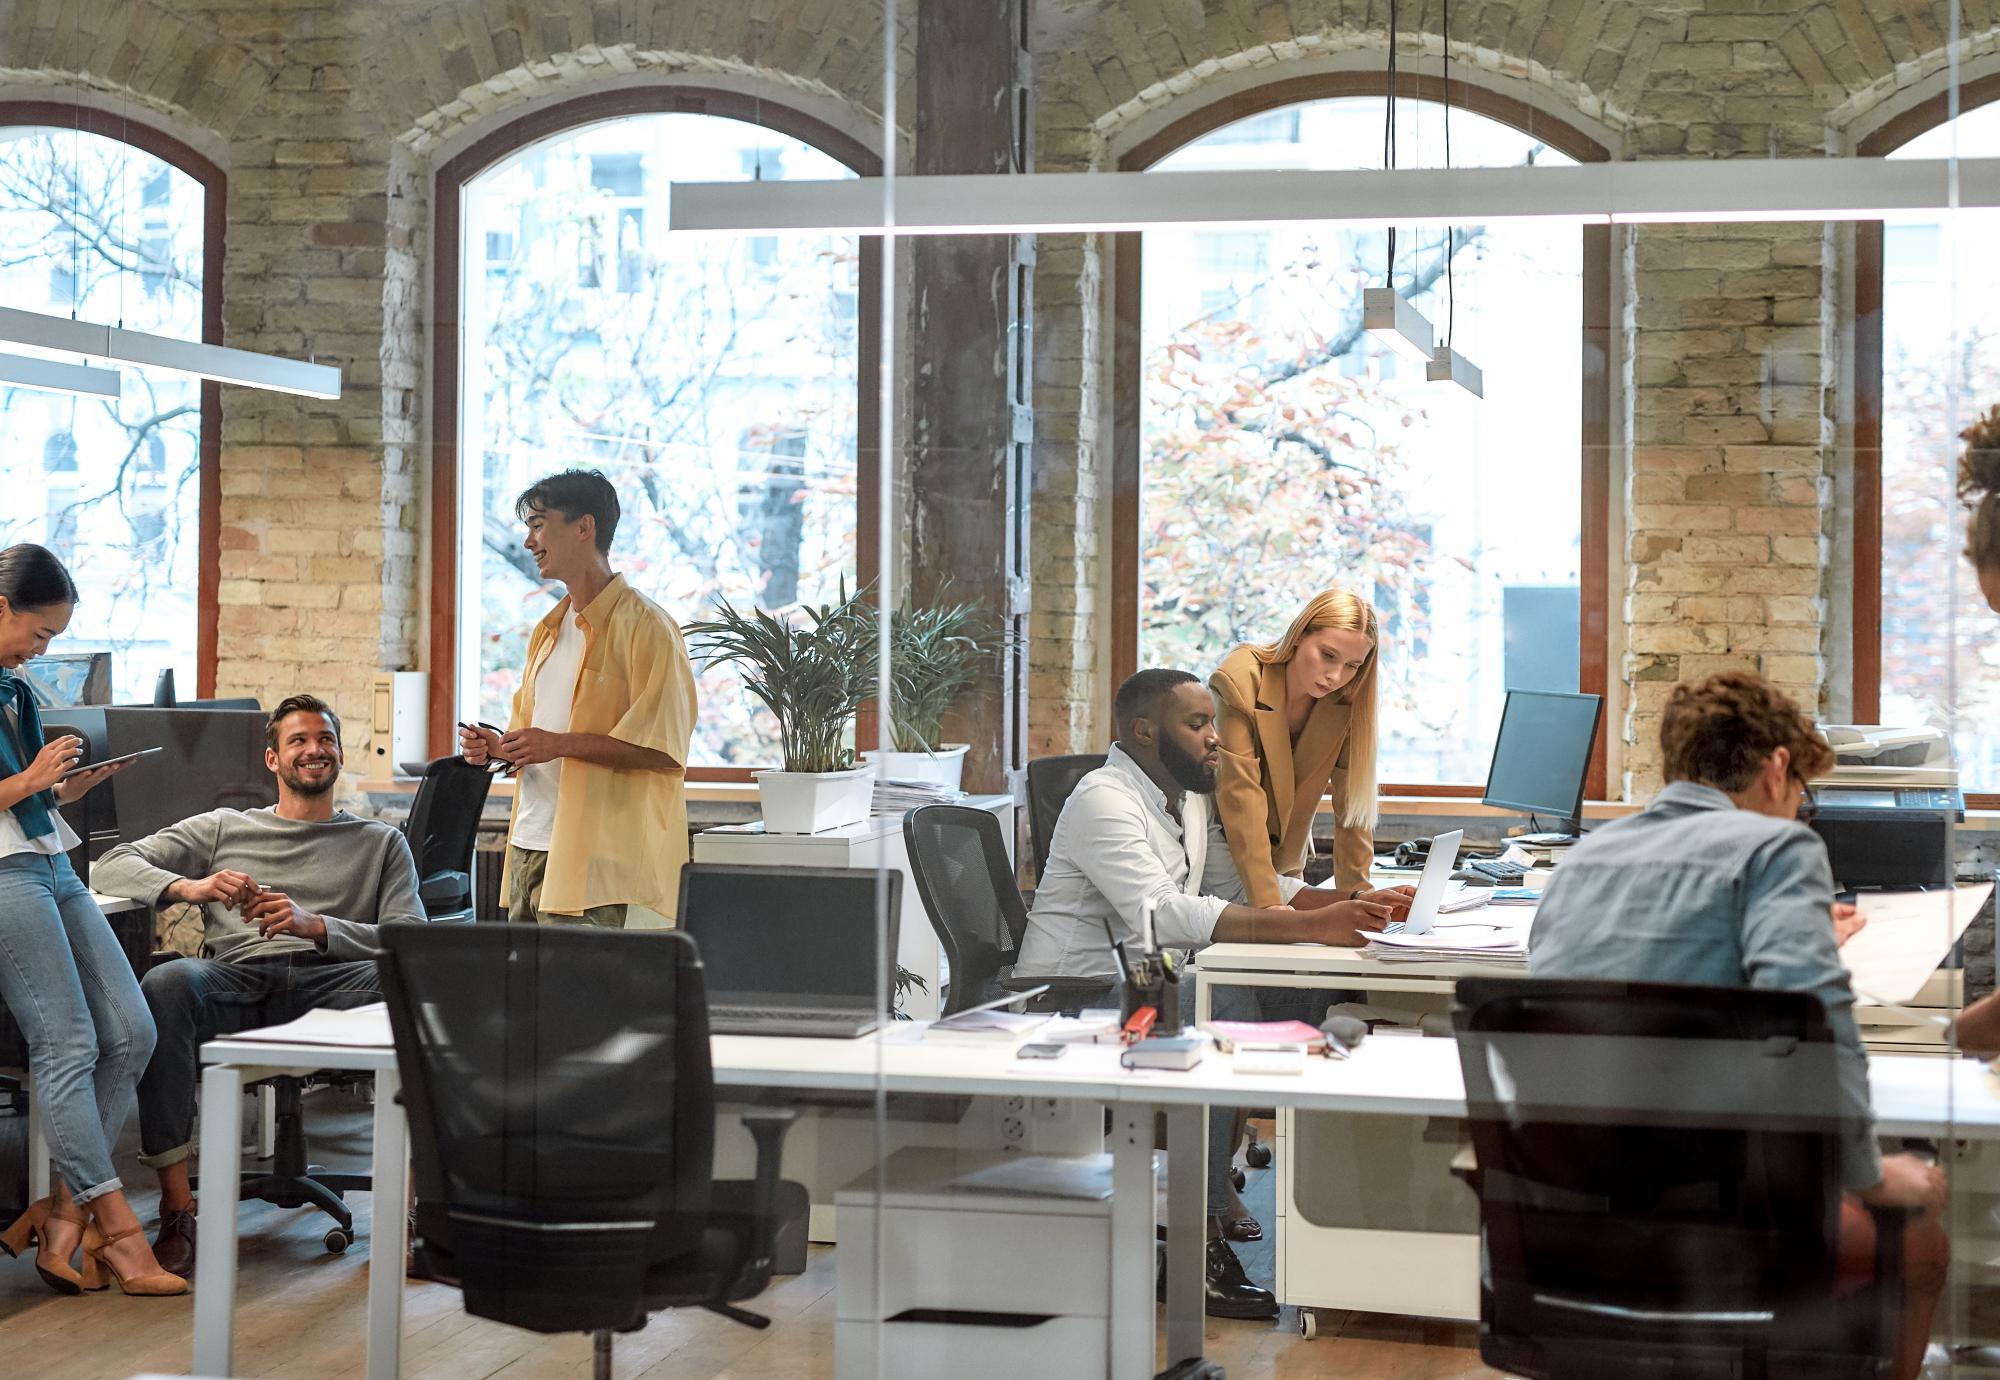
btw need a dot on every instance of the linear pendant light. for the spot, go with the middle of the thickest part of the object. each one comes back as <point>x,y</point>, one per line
<point>115,345</point>
<point>1449,366</point>
<point>1389,316</point>
<point>1663,191</point>
<point>53,376</point>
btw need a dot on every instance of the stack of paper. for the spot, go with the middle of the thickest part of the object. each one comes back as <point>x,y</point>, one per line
<point>1501,945</point>
<point>1462,897</point>
<point>894,797</point>
<point>985,1026</point>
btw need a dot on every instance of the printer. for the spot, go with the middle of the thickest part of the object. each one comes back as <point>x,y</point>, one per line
<point>1886,808</point>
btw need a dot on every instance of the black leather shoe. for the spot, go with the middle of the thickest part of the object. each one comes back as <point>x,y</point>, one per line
<point>1230,1292</point>
<point>175,1243</point>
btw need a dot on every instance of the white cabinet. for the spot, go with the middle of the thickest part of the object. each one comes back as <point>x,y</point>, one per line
<point>875,842</point>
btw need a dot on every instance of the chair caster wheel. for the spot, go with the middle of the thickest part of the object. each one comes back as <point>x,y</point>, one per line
<point>1236,1178</point>
<point>338,1241</point>
<point>1258,1156</point>
<point>1308,1323</point>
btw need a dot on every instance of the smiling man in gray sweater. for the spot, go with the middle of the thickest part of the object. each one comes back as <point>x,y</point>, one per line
<point>290,895</point>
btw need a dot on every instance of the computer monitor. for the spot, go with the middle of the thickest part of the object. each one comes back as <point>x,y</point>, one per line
<point>212,759</point>
<point>791,931</point>
<point>1542,755</point>
<point>66,680</point>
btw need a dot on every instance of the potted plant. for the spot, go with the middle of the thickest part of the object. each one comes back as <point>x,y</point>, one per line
<point>813,669</point>
<point>935,655</point>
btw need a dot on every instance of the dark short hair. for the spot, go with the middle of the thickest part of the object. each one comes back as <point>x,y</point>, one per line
<point>297,704</point>
<point>1720,732</point>
<point>1139,697</point>
<point>574,493</point>
<point>32,577</point>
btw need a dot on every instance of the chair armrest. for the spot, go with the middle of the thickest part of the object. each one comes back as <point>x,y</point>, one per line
<point>767,1127</point>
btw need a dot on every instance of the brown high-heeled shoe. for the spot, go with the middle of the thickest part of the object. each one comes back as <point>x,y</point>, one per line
<point>27,1228</point>
<point>97,1264</point>
<point>33,1226</point>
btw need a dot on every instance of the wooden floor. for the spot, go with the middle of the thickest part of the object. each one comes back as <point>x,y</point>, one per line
<point>300,1316</point>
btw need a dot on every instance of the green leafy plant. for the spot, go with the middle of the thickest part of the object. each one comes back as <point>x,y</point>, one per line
<point>813,668</point>
<point>935,655</point>
<point>906,981</point>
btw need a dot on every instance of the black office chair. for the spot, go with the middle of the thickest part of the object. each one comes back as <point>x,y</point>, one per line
<point>443,834</point>
<point>1050,780</point>
<point>562,1123</point>
<point>1659,1183</point>
<point>958,858</point>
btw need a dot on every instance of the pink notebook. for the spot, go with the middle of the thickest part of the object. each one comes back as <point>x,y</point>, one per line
<point>1268,1034</point>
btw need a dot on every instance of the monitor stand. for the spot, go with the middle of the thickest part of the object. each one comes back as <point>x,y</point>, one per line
<point>1570,832</point>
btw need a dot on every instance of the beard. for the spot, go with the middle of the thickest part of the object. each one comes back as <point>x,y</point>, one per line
<point>295,781</point>
<point>1189,772</point>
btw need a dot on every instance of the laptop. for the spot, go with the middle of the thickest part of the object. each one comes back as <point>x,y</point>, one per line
<point>1431,887</point>
<point>790,950</point>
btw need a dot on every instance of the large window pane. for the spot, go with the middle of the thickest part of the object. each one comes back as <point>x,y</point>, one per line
<point>1940,366</point>
<point>1284,450</point>
<point>98,228</point>
<point>713,381</point>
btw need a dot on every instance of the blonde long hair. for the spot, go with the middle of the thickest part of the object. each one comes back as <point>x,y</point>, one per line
<point>1349,612</point>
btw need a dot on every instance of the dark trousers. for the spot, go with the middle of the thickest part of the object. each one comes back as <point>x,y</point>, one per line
<point>195,1000</point>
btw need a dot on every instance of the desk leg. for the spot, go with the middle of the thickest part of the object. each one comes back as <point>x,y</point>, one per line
<point>389,1229</point>
<point>1187,1211</point>
<point>1132,1242</point>
<point>215,1245</point>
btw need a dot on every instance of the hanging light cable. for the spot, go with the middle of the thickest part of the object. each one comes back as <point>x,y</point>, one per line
<point>1385,314</point>
<point>1448,365</point>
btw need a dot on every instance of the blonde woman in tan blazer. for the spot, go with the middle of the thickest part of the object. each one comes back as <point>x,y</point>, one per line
<point>1297,722</point>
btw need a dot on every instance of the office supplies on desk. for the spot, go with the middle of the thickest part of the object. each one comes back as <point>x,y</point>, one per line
<point>1233,1035</point>
<point>988,1021</point>
<point>1176,1052</point>
<point>366,1026</point>
<point>791,950</point>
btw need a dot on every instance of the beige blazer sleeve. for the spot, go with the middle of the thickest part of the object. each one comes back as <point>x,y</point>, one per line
<point>1242,799</point>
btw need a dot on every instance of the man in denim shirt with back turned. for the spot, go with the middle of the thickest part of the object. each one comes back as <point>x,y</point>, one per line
<point>1716,882</point>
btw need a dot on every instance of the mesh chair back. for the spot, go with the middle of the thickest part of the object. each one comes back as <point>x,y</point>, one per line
<point>1050,780</point>
<point>958,858</point>
<point>561,1108</point>
<point>443,831</point>
<point>1659,1173</point>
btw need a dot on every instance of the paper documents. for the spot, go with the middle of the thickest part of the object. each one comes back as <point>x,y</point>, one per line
<point>1907,935</point>
<point>366,1027</point>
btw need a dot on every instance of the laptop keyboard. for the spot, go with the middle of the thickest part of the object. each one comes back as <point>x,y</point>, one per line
<point>738,1014</point>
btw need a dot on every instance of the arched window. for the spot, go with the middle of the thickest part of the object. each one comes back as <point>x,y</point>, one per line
<point>1269,447</point>
<point>1924,347</point>
<point>115,222</point>
<point>717,383</point>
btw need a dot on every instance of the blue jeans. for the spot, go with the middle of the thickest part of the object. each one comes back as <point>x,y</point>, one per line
<point>71,989</point>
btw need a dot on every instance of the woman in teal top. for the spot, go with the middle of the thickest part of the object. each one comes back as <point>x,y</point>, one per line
<point>62,972</point>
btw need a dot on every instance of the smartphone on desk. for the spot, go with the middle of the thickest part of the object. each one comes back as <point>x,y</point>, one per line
<point>1042,1051</point>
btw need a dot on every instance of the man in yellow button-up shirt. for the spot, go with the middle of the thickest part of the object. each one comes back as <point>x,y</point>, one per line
<point>600,729</point>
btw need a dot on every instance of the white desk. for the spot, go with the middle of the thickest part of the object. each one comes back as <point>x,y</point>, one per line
<point>875,842</point>
<point>1408,1077</point>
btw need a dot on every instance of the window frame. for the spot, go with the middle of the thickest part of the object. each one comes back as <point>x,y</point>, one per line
<point>448,188</point>
<point>1869,395</point>
<point>214,184</point>
<point>1127,371</point>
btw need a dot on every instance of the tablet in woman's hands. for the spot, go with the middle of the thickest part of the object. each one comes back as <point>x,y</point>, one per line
<point>83,767</point>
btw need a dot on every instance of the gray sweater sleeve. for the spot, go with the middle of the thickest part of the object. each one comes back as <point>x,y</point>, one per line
<point>145,868</point>
<point>396,901</point>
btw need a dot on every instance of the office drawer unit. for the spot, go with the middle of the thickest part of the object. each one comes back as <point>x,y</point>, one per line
<point>990,1268</point>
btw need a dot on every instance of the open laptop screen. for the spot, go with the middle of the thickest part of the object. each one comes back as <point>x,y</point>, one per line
<point>793,932</point>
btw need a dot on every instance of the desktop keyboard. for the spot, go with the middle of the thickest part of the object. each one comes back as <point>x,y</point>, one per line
<point>1498,872</point>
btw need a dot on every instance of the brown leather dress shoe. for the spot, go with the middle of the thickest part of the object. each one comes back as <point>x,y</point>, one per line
<point>174,1246</point>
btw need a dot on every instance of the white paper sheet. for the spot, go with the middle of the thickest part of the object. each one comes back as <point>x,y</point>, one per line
<point>365,1026</point>
<point>1907,935</point>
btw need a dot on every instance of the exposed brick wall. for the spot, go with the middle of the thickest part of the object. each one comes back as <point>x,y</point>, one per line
<point>330,113</point>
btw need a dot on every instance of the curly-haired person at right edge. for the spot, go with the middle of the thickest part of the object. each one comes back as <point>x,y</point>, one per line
<point>1758,912</point>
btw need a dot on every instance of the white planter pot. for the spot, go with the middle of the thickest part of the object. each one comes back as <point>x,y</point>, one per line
<point>945,767</point>
<point>805,802</point>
